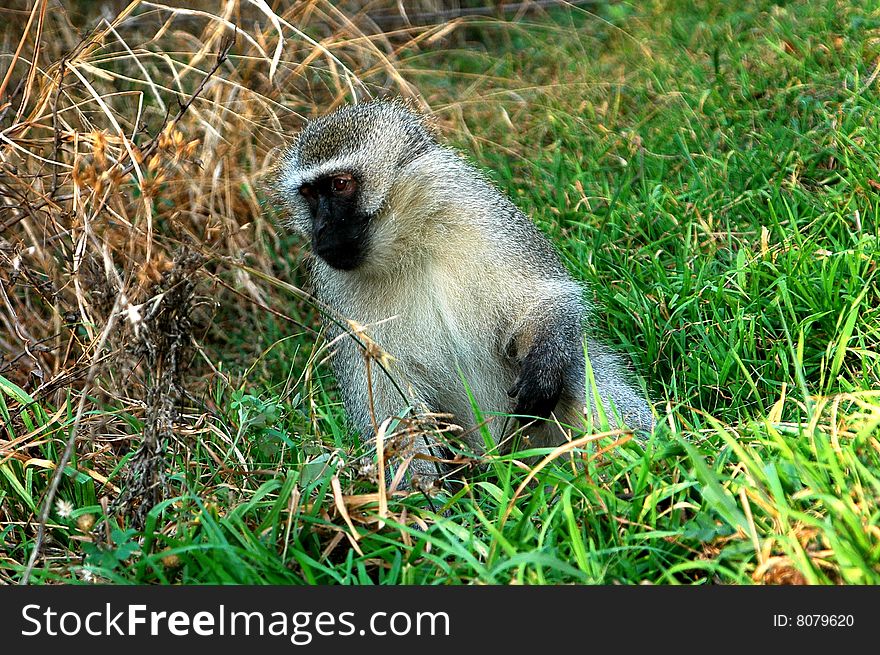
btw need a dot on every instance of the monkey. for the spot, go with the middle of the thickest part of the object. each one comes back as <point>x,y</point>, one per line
<point>470,300</point>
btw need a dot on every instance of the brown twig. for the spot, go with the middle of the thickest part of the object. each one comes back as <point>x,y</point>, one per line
<point>56,137</point>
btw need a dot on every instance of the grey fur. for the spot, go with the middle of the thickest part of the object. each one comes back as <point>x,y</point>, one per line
<point>457,282</point>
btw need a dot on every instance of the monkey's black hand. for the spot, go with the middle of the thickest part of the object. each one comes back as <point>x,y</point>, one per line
<point>539,385</point>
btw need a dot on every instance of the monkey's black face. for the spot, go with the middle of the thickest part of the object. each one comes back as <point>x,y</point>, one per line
<point>339,231</point>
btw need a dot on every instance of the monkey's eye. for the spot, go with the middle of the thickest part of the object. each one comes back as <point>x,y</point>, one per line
<point>342,185</point>
<point>307,192</point>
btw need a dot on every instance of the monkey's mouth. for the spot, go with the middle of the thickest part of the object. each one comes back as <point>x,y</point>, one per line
<point>339,255</point>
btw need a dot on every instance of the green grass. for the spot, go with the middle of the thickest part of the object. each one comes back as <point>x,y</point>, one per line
<point>712,172</point>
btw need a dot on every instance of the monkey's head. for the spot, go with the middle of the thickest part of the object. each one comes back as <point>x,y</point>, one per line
<point>336,178</point>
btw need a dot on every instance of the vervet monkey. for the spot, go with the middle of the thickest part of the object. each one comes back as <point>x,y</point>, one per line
<point>449,278</point>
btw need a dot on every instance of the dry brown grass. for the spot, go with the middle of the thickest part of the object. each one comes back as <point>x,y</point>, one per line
<point>132,151</point>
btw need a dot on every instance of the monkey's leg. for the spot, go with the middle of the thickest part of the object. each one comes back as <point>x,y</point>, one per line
<point>616,389</point>
<point>545,347</point>
<point>552,373</point>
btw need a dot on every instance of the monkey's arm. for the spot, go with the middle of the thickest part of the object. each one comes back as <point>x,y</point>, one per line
<point>546,345</point>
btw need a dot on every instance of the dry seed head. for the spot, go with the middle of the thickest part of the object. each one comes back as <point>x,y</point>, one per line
<point>170,561</point>
<point>372,350</point>
<point>154,163</point>
<point>165,138</point>
<point>99,147</point>
<point>84,173</point>
<point>154,270</point>
<point>85,522</point>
